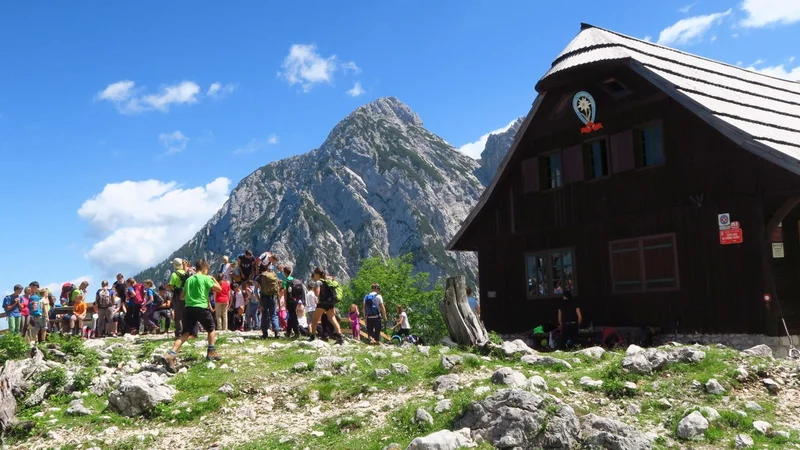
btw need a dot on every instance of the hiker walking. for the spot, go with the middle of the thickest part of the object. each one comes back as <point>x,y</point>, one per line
<point>197,310</point>
<point>374,310</point>
<point>294,294</point>
<point>330,292</point>
<point>269,303</point>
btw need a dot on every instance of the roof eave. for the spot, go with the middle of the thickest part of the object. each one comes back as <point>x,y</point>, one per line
<point>738,136</point>
<point>501,169</point>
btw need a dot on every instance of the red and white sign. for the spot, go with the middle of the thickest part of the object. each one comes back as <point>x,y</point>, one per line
<point>731,236</point>
<point>735,224</point>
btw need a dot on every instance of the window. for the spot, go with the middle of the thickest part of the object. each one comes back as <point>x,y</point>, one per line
<point>644,264</point>
<point>550,273</point>
<point>553,173</point>
<point>596,159</point>
<point>616,88</point>
<point>649,146</point>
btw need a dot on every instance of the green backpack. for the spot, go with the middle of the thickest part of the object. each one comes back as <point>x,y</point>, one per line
<point>330,292</point>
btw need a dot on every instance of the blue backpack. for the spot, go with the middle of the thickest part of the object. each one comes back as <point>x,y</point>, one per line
<point>370,307</point>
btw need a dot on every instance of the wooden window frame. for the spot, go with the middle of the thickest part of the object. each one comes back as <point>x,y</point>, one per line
<point>637,145</point>
<point>549,271</point>
<point>642,267</point>
<point>544,172</point>
<point>587,159</point>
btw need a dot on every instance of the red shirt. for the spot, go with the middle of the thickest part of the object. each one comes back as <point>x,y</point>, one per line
<point>224,295</point>
<point>24,300</point>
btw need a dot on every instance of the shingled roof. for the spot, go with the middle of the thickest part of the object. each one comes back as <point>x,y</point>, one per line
<point>759,112</point>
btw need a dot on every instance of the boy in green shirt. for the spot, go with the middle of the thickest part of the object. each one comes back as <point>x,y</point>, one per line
<point>195,293</point>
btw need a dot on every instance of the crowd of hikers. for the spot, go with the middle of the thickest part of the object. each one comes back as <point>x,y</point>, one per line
<point>249,294</point>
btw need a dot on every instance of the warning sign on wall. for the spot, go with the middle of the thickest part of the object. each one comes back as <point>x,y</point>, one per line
<point>731,236</point>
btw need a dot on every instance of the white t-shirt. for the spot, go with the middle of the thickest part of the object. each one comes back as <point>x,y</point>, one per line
<point>226,273</point>
<point>238,300</point>
<point>404,324</point>
<point>378,302</point>
<point>302,321</point>
<point>311,301</point>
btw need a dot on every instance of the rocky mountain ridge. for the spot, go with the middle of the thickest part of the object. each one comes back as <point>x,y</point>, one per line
<point>380,185</point>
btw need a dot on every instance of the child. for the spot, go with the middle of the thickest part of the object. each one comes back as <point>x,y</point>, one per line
<point>302,321</point>
<point>402,322</point>
<point>282,310</point>
<point>354,325</point>
<point>238,319</point>
<point>75,320</point>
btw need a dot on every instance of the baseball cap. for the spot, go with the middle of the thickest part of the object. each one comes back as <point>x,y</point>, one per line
<point>177,263</point>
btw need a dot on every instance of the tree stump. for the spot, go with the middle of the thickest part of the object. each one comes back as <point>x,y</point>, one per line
<point>462,324</point>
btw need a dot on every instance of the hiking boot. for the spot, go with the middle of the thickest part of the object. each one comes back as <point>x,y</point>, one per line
<point>170,361</point>
<point>212,355</point>
<point>339,339</point>
<point>312,338</point>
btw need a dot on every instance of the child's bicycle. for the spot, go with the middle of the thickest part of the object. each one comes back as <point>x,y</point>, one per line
<point>398,340</point>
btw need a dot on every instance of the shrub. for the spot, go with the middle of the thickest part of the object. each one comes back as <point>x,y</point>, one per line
<point>400,286</point>
<point>12,346</point>
<point>57,377</point>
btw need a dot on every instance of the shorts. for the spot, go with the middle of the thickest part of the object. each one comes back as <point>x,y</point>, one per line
<point>37,322</point>
<point>193,315</point>
<point>325,306</point>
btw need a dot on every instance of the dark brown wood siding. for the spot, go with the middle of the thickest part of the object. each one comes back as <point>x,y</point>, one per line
<point>704,174</point>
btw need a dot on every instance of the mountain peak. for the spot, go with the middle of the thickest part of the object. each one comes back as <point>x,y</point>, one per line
<point>392,109</point>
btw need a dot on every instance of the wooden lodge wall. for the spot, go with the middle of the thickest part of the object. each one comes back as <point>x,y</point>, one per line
<point>721,287</point>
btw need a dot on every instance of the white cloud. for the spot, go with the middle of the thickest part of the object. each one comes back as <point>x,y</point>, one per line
<point>761,13</point>
<point>757,62</point>
<point>352,67</point>
<point>691,29</point>
<point>139,223</point>
<point>356,90</point>
<point>304,66</point>
<point>218,90</point>
<point>117,92</point>
<point>174,142</point>
<point>124,96</point>
<point>713,38</point>
<point>474,149</point>
<point>648,38</point>
<point>780,71</point>
<point>256,144</point>
<point>685,9</point>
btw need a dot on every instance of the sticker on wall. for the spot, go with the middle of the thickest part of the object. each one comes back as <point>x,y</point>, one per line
<point>585,107</point>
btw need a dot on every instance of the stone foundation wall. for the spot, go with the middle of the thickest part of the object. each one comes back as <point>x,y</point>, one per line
<point>779,344</point>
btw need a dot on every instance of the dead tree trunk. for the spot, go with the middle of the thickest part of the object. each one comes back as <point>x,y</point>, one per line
<point>463,325</point>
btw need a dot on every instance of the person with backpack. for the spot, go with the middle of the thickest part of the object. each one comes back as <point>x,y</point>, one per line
<point>197,312</point>
<point>151,299</point>
<point>162,308</point>
<point>269,301</point>
<point>104,308</point>
<point>135,299</point>
<point>295,293</point>
<point>76,292</point>
<point>13,310</point>
<point>246,265</point>
<point>330,293</point>
<point>176,282</point>
<point>374,311</point>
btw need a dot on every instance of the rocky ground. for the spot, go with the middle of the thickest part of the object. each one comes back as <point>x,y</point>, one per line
<point>281,394</point>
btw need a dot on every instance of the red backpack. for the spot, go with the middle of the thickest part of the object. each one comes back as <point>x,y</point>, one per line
<point>66,293</point>
<point>138,288</point>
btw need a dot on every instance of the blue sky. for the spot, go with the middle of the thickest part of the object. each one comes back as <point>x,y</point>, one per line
<point>123,126</point>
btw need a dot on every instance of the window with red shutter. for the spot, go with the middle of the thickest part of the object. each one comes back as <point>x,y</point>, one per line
<point>644,264</point>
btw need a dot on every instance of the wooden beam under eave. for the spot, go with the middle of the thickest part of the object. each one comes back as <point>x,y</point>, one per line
<point>780,214</point>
